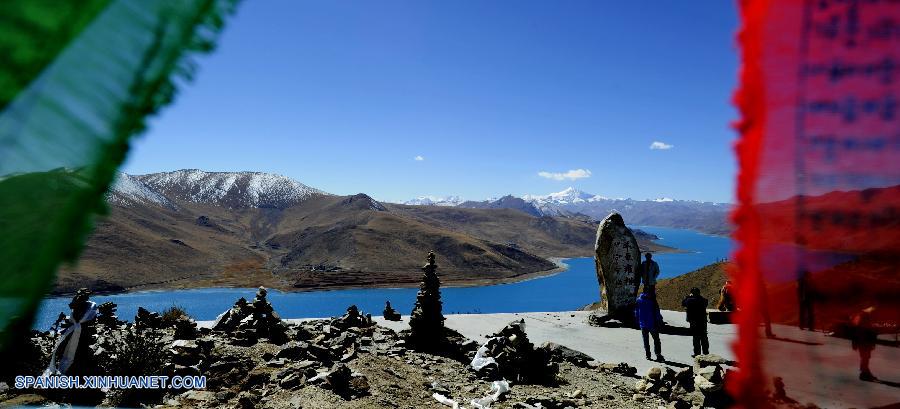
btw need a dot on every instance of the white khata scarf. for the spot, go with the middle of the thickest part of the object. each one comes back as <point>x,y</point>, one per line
<point>74,331</point>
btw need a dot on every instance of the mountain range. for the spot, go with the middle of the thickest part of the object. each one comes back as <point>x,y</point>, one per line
<point>707,217</point>
<point>191,228</point>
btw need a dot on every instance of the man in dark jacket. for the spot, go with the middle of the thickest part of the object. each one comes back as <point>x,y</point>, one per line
<point>648,318</point>
<point>649,273</point>
<point>695,305</point>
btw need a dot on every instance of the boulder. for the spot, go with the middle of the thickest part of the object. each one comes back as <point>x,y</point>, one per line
<point>617,260</point>
<point>562,353</point>
<point>702,361</point>
<point>343,382</point>
<point>293,351</point>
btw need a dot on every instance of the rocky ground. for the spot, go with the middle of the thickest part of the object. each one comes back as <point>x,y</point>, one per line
<point>252,358</point>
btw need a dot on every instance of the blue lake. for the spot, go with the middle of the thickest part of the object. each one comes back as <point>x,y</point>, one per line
<point>565,291</point>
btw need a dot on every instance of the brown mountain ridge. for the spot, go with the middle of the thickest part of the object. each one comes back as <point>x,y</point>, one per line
<point>202,229</point>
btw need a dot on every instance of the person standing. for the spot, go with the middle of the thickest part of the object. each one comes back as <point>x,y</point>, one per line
<point>726,297</point>
<point>695,307</point>
<point>805,297</point>
<point>649,273</point>
<point>647,316</point>
<point>863,340</point>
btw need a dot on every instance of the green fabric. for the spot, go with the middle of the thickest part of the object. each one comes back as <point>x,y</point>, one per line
<point>66,129</point>
<point>32,33</point>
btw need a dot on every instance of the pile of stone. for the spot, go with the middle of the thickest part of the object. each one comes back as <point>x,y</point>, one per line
<point>701,385</point>
<point>343,382</point>
<point>509,355</point>
<point>426,322</point>
<point>621,368</point>
<point>247,323</point>
<point>427,332</point>
<point>107,315</point>
<point>561,353</point>
<point>147,320</point>
<point>188,356</point>
<point>390,313</point>
<point>353,319</point>
<point>85,313</point>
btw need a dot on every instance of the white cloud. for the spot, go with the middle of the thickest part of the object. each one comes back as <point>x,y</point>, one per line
<point>570,175</point>
<point>419,158</point>
<point>657,145</point>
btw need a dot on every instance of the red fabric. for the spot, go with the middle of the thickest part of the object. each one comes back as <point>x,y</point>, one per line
<point>819,181</point>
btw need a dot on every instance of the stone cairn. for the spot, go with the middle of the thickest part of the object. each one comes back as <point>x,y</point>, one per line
<point>247,322</point>
<point>516,359</point>
<point>83,362</point>
<point>426,322</point>
<point>618,261</point>
<point>352,319</point>
<point>145,319</point>
<point>699,386</point>
<point>107,315</point>
<point>390,313</point>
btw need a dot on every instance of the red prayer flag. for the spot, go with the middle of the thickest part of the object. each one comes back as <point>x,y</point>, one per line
<point>818,215</point>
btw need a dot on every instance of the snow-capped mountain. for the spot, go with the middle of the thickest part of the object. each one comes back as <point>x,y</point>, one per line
<point>567,196</point>
<point>127,190</point>
<point>434,201</point>
<point>704,216</point>
<point>573,203</point>
<point>229,189</point>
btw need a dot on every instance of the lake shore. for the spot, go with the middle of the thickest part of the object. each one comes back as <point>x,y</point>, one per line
<point>559,267</point>
<point>364,279</point>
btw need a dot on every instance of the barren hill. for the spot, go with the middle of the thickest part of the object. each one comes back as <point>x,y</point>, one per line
<point>192,228</point>
<point>709,279</point>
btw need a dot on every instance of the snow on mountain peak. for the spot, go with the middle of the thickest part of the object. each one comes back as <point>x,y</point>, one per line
<point>434,201</point>
<point>567,196</point>
<point>127,190</point>
<point>235,189</point>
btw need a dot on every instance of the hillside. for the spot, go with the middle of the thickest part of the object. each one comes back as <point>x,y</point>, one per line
<point>192,228</point>
<point>709,279</point>
<point>670,291</point>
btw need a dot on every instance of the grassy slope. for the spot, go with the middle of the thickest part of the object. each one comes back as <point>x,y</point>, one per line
<point>708,279</point>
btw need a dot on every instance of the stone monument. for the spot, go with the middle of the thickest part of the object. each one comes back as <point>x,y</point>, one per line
<point>618,262</point>
<point>426,322</point>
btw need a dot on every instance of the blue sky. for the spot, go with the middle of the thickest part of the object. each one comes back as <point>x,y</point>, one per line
<point>494,97</point>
